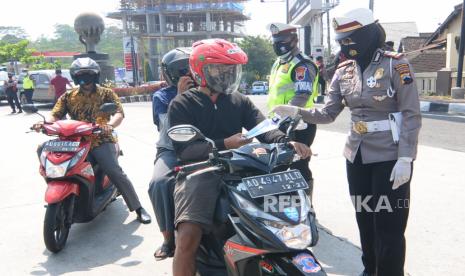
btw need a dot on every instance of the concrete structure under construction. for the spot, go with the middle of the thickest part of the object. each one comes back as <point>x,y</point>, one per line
<point>161,25</point>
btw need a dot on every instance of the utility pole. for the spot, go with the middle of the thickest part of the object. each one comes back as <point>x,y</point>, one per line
<point>135,74</point>
<point>371,5</point>
<point>126,8</point>
<point>458,92</point>
<point>328,29</point>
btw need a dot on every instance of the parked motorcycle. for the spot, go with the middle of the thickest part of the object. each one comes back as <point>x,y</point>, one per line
<point>250,237</point>
<point>77,190</point>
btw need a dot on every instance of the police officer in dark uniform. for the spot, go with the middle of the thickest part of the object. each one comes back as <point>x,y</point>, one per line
<point>294,81</point>
<point>379,89</point>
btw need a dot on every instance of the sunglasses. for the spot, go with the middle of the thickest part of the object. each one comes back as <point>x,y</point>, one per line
<point>346,41</point>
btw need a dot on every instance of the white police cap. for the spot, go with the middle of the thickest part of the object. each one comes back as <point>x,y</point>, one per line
<point>277,28</point>
<point>351,21</point>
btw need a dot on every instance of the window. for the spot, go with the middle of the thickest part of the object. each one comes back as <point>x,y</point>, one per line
<point>41,79</point>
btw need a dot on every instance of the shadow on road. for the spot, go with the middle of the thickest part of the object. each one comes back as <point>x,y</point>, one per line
<point>103,241</point>
<point>338,255</point>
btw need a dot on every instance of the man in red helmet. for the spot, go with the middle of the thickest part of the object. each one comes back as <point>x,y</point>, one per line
<point>220,113</point>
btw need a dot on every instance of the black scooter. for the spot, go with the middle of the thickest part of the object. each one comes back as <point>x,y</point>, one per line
<point>255,232</point>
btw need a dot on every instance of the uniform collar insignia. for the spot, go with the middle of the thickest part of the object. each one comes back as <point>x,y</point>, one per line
<point>377,56</point>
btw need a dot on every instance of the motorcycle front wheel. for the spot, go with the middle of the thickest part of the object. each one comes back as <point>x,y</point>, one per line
<point>56,228</point>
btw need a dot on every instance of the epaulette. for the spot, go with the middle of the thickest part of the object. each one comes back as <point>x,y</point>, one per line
<point>345,63</point>
<point>395,55</point>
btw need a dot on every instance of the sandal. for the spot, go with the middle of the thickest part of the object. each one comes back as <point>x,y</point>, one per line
<point>166,250</point>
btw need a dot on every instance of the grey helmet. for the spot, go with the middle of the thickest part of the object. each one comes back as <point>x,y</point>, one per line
<point>85,71</point>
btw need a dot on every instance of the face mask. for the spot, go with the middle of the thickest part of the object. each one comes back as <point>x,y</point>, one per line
<point>361,44</point>
<point>350,51</point>
<point>282,48</point>
<point>85,79</point>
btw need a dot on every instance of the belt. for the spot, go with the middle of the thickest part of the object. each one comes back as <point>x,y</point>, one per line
<point>362,127</point>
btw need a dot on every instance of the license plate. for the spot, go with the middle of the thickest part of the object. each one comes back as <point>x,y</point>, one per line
<point>61,146</point>
<point>275,183</point>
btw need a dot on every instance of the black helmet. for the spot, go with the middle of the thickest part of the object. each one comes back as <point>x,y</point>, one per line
<point>85,71</point>
<point>175,64</point>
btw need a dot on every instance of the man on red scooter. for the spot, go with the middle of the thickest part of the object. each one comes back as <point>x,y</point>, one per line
<point>82,104</point>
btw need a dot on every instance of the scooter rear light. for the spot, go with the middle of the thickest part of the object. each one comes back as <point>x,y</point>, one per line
<point>56,171</point>
<point>77,157</point>
<point>177,168</point>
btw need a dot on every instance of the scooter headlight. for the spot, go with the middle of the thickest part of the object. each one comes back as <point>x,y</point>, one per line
<point>293,236</point>
<point>56,171</point>
<point>252,210</point>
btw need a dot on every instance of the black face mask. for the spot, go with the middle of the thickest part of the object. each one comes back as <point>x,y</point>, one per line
<point>284,44</point>
<point>282,48</point>
<point>365,42</point>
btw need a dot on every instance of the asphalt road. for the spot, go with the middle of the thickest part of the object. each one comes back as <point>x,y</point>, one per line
<point>116,244</point>
<point>438,130</point>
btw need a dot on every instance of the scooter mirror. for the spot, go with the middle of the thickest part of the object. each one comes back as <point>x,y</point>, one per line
<point>108,108</point>
<point>30,108</point>
<point>185,133</point>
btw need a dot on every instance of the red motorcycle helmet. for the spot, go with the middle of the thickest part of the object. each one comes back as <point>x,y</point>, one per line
<point>217,64</point>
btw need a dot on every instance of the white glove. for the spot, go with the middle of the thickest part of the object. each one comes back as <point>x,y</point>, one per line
<point>286,110</point>
<point>401,172</point>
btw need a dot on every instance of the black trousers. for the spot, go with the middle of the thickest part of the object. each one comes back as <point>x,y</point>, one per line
<point>382,215</point>
<point>28,94</point>
<point>12,98</point>
<point>305,136</point>
<point>322,83</point>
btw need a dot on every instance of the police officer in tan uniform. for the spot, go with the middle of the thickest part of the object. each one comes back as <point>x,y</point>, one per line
<point>379,89</point>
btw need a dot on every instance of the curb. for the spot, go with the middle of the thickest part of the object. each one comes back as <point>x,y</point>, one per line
<point>425,106</point>
<point>449,108</point>
<point>136,99</point>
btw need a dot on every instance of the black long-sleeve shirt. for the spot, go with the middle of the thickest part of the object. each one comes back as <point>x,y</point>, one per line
<point>217,121</point>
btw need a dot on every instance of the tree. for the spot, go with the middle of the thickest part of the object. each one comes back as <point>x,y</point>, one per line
<point>15,52</point>
<point>66,39</point>
<point>261,57</point>
<point>11,34</point>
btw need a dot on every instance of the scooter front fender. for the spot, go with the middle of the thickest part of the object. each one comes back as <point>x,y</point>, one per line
<point>59,190</point>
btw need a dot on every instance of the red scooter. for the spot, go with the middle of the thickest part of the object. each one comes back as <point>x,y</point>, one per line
<point>77,190</point>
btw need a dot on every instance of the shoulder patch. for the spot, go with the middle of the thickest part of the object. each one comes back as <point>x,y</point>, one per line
<point>404,71</point>
<point>394,55</point>
<point>345,63</point>
<point>300,72</point>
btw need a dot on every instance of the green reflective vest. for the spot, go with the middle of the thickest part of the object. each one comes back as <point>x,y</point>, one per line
<point>282,88</point>
<point>28,83</point>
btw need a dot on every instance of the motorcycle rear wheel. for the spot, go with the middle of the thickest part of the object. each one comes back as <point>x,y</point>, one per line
<point>56,228</point>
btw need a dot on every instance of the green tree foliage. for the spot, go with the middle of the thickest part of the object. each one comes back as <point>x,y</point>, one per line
<point>66,39</point>
<point>111,43</point>
<point>15,52</point>
<point>11,34</point>
<point>261,57</point>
